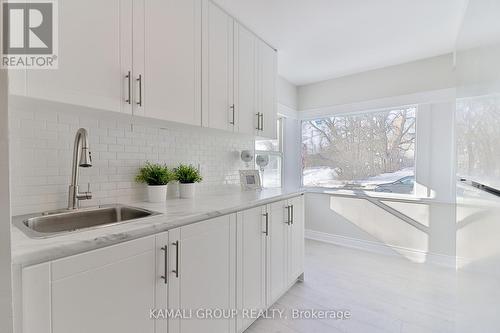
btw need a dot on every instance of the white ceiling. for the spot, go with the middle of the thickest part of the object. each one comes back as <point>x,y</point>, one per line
<point>323,39</point>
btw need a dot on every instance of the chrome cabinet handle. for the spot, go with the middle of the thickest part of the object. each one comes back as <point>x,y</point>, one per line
<point>293,215</point>
<point>139,80</point>
<point>266,215</point>
<point>262,122</point>
<point>164,277</point>
<point>176,270</point>
<point>129,84</point>
<point>258,121</point>
<point>287,215</point>
<point>232,110</point>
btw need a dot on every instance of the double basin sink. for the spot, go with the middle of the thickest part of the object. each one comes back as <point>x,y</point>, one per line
<point>60,222</point>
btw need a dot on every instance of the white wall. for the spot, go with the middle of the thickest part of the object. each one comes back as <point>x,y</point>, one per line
<point>358,222</point>
<point>5,260</point>
<point>287,94</point>
<point>435,152</point>
<point>42,136</point>
<point>418,76</point>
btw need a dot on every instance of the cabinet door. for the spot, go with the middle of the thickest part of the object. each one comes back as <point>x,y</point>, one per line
<point>107,290</point>
<point>277,252</point>
<point>167,60</point>
<point>217,89</point>
<point>251,263</point>
<point>205,277</point>
<point>296,239</point>
<point>95,54</point>
<point>267,90</point>
<point>245,80</point>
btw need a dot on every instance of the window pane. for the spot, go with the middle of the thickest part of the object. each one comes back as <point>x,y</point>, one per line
<point>370,151</point>
<point>271,174</point>
<point>267,145</point>
<point>478,135</point>
<point>271,145</point>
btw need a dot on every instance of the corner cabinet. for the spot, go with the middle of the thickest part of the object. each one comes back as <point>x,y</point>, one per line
<point>286,246</point>
<point>255,84</point>
<point>237,262</point>
<point>106,290</point>
<point>266,90</point>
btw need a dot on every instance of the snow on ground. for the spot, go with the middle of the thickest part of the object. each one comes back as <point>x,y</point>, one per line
<point>325,177</point>
<point>389,177</point>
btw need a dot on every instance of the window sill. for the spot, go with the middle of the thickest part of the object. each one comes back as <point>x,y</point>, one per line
<point>371,195</point>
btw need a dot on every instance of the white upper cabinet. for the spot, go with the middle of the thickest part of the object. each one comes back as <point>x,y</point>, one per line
<point>266,90</point>
<point>245,80</point>
<point>167,60</point>
<point>95,44</point>
<point>185,61</point>
<point>217,90</point>
<point>255,84</point>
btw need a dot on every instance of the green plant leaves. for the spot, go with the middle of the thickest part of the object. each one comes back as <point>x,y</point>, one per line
<point>187,174</point>
<point>154,174</point>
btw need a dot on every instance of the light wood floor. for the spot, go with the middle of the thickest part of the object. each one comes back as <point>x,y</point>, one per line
<point>383,293</point>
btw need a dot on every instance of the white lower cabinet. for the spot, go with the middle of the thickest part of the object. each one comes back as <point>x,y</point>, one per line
<point>204,277</point>
<point>243,261</point>
<point>106,290</point>
<point>252,234</point>
<point>277,255</point>
<point>286,246</point>
<point>295,239</point>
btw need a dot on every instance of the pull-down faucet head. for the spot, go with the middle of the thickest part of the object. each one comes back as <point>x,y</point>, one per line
<point>82,140</point>
<point>85,158</point>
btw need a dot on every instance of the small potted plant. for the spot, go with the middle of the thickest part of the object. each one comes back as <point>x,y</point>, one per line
<point>188,176</point>
<point>156,176</point>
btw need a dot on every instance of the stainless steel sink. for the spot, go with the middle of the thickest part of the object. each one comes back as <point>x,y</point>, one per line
<point>55,223</point>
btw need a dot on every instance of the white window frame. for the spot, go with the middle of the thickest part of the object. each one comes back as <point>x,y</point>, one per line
<point>279,153</point>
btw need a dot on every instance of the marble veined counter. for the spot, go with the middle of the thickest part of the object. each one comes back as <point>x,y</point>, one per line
<point>173,213</point>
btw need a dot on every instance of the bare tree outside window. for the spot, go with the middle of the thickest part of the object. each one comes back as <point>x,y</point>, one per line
<point>478,134</point>
<point>368,151</point>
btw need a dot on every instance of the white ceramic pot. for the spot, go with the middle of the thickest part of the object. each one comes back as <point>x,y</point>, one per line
<point>187,191</point>
<point>157,193</point>
<point>173,190</point>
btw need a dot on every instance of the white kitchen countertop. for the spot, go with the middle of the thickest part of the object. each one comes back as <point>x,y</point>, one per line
<point>174,213</point>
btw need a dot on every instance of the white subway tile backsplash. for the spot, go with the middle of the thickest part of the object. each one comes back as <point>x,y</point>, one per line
<point>42,147</point>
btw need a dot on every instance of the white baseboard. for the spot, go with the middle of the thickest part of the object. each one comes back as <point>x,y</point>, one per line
<point>385,249</point>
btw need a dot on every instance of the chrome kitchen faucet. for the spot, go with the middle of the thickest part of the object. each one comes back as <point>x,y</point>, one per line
<point>81,158</point>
